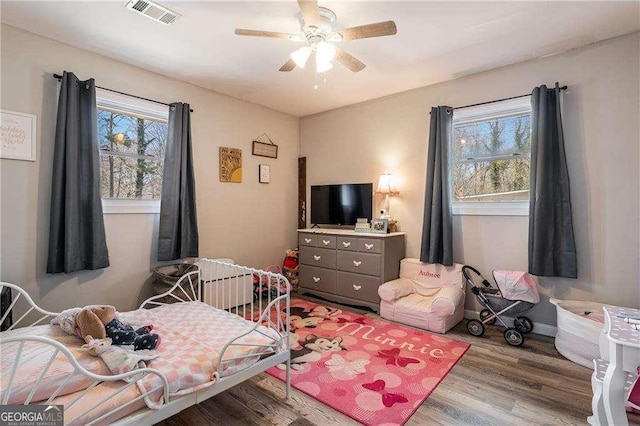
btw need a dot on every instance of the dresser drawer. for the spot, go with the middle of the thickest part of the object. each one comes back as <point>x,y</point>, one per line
<point>347,243</point>
<point>361,263</point>
<point>370,245</point>
<point>358,287</point>
<point>326,241</point>
<point>325,258</point>
<point>318,279</point>
<point>307,240</point>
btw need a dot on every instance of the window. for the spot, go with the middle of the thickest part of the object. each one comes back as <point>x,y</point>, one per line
<point>132,135</point>
<point>491,158</point>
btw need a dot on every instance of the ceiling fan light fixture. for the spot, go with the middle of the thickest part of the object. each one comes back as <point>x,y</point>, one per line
<point>323,66</point>
<point>301,56</point>
<point>325,52</point>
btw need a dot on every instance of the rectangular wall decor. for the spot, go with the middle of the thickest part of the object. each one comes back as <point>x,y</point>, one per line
<point>230,165</point>
<point>265,149</point>
<point>264,173</point>
<point>17,135</point>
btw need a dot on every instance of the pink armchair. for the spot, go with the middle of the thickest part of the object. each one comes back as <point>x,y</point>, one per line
<point>429,296</point>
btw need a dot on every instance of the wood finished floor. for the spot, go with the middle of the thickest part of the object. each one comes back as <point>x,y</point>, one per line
<point>493,384</point>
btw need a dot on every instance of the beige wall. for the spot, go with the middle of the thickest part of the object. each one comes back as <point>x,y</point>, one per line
<point>601,110</point>
<point>252,223</point>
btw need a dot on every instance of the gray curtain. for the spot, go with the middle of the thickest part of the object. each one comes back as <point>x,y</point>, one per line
<point>437,229</point>
<point>552,249</point>
<point>178,233</point>
<point>76,229</point>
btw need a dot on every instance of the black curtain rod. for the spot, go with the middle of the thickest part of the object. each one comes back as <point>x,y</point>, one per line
<point>59,77</point>
<point>498,100</point>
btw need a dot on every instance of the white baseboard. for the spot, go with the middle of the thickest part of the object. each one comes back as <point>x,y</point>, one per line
<point>538,327</point>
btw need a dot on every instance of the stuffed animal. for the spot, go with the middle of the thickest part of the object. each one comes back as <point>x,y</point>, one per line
<point>91,320</point>
<point>96,346</point>
<point>291,259</point>
<point>101,322</point>
<point>123,334</point>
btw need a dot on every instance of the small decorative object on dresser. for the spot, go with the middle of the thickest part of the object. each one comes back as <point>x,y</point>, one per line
<point>362,225</point>
<point>379,226</point>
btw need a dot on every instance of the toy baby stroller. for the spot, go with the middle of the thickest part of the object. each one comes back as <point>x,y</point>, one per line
<point>516,293</point>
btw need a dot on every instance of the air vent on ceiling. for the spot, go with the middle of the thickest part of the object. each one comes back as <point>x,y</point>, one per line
<point>153,11</point>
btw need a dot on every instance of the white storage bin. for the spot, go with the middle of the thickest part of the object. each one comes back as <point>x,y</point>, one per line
<point>578,335</point>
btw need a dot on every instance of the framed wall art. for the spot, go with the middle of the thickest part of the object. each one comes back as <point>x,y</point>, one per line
<point>17,135</point>
<point>230,165</point>
<point>265,149</point>
<point>264,173</point>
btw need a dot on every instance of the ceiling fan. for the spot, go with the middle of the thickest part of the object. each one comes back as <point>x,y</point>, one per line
<point>316,25</point>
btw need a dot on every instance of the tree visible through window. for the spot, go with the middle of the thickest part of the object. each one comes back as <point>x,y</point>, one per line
<point>491,155</point>
<point>131,154</point>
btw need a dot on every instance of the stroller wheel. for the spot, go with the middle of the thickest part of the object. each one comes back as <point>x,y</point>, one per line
<point>486,313</point>
<point>513,337</point>
<point>523,324</point>
<point>475,327</point>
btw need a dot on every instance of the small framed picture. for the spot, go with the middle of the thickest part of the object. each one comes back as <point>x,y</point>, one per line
<point>17,136</point>
<point>379,226</point>
<point>264,173</point>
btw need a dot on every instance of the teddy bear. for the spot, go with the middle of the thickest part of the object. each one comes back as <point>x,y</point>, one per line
<point>100,322</point>
<point>291,259</point>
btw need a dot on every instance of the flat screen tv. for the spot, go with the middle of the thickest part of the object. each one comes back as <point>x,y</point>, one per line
<point>341,204</point>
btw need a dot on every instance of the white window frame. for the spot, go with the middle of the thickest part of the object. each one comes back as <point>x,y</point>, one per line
<point>139,107</point>
<point>489,208</point>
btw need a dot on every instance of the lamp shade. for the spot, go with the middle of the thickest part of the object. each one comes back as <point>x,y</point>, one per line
<point>323,66</point>
<point>385,185</point>
<point>325,52</point>
<point>301,56</point>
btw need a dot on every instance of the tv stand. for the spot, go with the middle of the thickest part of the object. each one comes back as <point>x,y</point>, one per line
<point>344,266</point>
<point>315,225</point>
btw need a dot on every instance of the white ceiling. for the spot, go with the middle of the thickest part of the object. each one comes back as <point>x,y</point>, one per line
<point>436,41</point>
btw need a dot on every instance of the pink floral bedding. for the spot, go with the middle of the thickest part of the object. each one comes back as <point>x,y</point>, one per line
<point>193,335</point>
<point>37,356</point>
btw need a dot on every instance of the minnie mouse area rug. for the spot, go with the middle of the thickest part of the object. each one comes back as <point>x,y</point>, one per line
<point>372,370</point>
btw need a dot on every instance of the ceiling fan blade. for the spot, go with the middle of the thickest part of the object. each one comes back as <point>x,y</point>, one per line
<point>348,61</point>
<point>260,33</point>
<point>371,30</point>
<point>310,13</point>
<point>288,66</point>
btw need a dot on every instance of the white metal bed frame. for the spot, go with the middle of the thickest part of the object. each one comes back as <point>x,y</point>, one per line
<point>225,276</point>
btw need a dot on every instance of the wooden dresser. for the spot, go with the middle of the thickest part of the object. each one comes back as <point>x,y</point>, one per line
<point>348,267</point>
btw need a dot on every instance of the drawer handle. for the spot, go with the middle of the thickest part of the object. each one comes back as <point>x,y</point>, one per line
<point>346,243</point>
<point>357,287</point>
<point>357,263</point>
<point>307,240</point>
<point>326,242</point>
<point>316,279</point>
<point>368,246</point>
<point>316,257</point>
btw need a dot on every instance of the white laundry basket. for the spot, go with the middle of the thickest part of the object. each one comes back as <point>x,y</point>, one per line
<point>579,326</point>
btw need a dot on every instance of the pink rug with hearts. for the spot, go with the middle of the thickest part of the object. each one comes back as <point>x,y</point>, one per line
<point>372,370</point>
